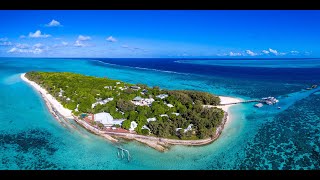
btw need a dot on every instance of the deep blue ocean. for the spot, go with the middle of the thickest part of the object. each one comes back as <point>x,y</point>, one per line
<point>265,138</point>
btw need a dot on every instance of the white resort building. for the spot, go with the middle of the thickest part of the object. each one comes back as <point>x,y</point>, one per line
<point>133,125</point>
<point>106,119</point>
<point>135,87</point>
<point>101,102</point>
<point>162,96</point>
<point>151,119</point>
<point>177,114</point>
<point>138,101</point>
<point>61,92</point>
<point>189,128</point>
<point>170,105</point>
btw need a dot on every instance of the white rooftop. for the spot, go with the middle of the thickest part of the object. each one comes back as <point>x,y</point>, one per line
<point>162,96</point>
<point>104,118</point>
<point>170,105</point>
<point>133,125</point>
<point>145,127</point>
<point>138,98</point>
<point>151,119</point>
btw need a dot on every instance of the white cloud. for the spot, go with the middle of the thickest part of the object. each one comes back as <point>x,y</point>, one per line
<point>282,54</point>
<point>3,39</point>
<point>38,34</point>
<point>249,52</point>
<point>38,45</point>
<point>25,48</point>
<point>5,42</point>
<point>83,38</point>
<point>125,46</point>
<point>12,50</point>
<point>294,52</point>
<point>63,44</point>
<point>223,54</point>
<point>53,23</point>
<point>275,52</point>
<point>234,54</point>
<point>79,43</point>
<point>17,50</point>
<point>265,52</point>
<point>307,53</point>
<point>22,36</point>
<point>22,46</point>
<point>111,39</point>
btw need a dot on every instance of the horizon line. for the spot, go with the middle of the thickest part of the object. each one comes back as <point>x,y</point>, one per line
<point>167,57</point>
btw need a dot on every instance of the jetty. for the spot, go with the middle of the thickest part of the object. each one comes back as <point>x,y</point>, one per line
<point>266,100</point>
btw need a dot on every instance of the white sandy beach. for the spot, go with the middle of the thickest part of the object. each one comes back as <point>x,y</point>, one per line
<point>63,111</point>
<point>226,100</point>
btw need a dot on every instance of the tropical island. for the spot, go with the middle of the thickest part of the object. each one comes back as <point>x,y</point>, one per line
<point>112,108</point>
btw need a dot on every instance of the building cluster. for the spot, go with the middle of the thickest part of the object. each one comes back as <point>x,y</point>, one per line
<point>270,100</point>
<point>101,102</point>
<point>139,101</point>
<point>162,96</point>
<point>189,128</point>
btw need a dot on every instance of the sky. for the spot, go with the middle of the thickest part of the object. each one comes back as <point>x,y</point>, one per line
<point>159,34</point>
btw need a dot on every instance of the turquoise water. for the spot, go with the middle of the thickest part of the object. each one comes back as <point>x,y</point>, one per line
<point>265,138</point>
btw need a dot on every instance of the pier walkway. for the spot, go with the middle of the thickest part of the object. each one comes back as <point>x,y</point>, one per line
<point>246,101</point>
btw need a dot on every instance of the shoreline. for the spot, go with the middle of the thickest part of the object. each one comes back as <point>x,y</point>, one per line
<point>56,109</point>
<point>160,144</point>
<point>226,108</point>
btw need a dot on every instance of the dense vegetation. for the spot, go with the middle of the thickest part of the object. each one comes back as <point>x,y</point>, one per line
<point>83,91</point>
